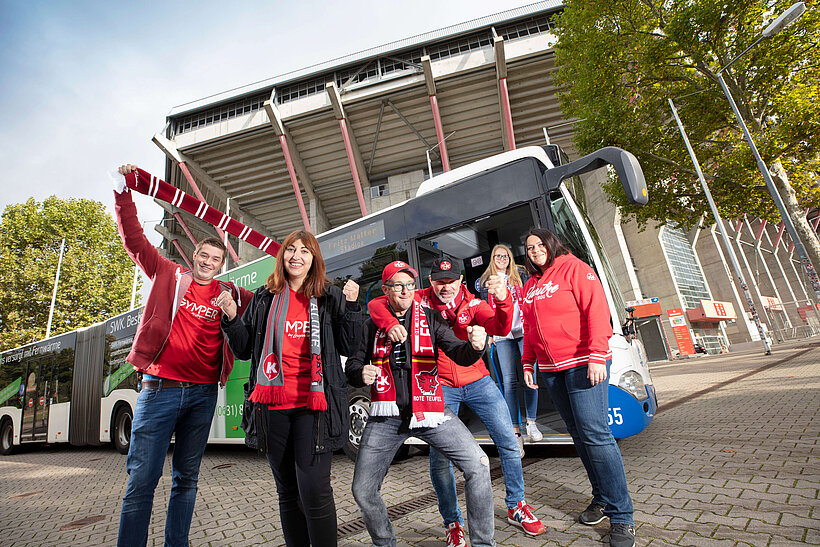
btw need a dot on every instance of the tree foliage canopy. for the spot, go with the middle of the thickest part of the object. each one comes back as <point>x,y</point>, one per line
<point>95,277</point>
<point>622,59</point>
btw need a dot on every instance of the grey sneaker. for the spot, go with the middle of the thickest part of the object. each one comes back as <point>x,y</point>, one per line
<point>520,440</point>
<point>622,535</point>
<point>592,515</point>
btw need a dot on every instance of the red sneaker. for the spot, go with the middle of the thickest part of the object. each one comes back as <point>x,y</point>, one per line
<point>455,535</point>
<point>522,516</point>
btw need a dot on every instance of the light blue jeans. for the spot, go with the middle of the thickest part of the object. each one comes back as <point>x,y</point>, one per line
<point>509,359</point>
<point>584,409</point>
<point>160,413</point>
<point>381,440</point>
<point>486,401</point>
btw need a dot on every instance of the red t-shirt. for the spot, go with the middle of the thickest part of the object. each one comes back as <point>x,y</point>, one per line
<point>193,352</point>
<point>296,352</point>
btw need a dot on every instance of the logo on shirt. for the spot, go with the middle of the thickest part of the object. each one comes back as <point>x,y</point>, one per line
<point>382,382</point>
<point>270,367</point>
<point>591,276</point>
<point>200,311</point>
<point>296,329</point>
<point>427,382</point>
<point>539,292</point>
<point>463,318</point>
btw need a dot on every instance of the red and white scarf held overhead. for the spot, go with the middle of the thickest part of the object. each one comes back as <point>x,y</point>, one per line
<point>427,399</point>
<point>270,377</point>
<point>146,183</point>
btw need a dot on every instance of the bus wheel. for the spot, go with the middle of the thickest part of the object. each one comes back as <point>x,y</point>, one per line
<point>6,437</point>
<point>359,413</point>
<point>121,430</point>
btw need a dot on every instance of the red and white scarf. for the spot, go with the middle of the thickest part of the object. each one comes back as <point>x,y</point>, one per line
<point>270,376</point>
<point>146,183</point>
<point>426,396</point>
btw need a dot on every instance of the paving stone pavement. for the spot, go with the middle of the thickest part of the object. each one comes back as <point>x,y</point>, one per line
<point>732,458</point>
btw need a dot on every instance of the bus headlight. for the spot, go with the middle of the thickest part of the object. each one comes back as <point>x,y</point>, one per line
<point>632,382</point>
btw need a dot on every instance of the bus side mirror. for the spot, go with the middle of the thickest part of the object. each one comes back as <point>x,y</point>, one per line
<point>625,164</point>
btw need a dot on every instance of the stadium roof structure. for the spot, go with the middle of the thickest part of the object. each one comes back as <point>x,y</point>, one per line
<point>339,130</point>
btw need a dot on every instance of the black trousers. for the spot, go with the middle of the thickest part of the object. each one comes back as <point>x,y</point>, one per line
<point>306,506</point>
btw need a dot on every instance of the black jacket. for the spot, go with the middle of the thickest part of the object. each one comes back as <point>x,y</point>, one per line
<point>341,331</point>
<point>443,338</point>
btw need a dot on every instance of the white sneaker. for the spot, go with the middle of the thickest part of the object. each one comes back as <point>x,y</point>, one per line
<point>533,432</point>
<point>455,535</point>
<point>520,440</point>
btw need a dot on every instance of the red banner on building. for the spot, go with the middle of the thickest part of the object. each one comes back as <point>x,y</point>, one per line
<point>681,331</point>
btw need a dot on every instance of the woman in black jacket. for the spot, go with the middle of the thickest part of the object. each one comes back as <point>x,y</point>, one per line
<point>293,331</point>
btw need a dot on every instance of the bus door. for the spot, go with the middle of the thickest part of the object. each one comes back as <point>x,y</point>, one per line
<point>34,424</point>
<point>468,246</point>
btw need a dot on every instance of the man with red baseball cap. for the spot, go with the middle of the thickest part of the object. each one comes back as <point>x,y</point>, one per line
<point>407,400</point>
<point>473,386</point>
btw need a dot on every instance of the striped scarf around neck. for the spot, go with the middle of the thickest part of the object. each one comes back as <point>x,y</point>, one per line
<point>270,377</point>
<point>426,396</point>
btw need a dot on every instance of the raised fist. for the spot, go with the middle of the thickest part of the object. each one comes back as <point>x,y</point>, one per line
<point>497,287</point>
<point>227,304</point>
<point>397,333</point>
<point>351,290</point>
<point>477,336</point>
<point>369,374</point>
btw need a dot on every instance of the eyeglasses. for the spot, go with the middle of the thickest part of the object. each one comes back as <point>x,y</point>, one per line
<point>502,256</point>
<point>398,287</point>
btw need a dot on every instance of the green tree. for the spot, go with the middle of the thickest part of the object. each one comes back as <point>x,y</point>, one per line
<point>620,61</point>
<point>95,277</point>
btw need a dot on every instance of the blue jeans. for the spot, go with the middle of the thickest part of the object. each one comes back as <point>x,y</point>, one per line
<point>584,409</point>
<point>160,413</point>
<point>509,359</point>
<point>484,399</point>
<point>381,440</point>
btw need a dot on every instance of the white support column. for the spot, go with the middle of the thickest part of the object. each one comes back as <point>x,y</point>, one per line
<point>752,278</point>
<point>783,274</point>
<point>739,302</point>
<point>627,257</point>
<point>762,259</point>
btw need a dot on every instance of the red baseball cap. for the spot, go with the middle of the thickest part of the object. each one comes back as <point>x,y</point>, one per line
<point>395,267</point>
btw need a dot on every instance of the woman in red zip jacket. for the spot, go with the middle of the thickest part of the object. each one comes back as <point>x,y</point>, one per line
<point>566,331</point>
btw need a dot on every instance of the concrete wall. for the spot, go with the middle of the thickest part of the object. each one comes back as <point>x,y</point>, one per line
<point>400,188</point>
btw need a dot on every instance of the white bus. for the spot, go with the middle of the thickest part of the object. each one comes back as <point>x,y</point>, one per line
<point>78,388</point>
<point>461,215</point>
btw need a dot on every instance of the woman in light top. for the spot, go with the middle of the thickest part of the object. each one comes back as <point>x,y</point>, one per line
<point>510,346</point>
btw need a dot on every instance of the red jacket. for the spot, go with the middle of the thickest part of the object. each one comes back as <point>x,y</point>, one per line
<point>566,317</point>
<point>471,311</point>
<point>169,284</point>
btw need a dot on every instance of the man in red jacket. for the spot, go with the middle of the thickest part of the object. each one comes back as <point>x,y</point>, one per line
<point>182,355</point>
<point>472,386</point>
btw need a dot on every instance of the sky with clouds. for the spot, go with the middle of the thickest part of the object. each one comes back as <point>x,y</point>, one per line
<point>86,84</point>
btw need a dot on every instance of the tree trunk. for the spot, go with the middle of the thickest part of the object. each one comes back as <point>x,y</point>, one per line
<point>801,225</point>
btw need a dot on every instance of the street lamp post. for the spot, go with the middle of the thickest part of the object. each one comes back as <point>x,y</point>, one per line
<point>54,292</point>
<point>777,25</point>
<point>732,258</point>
